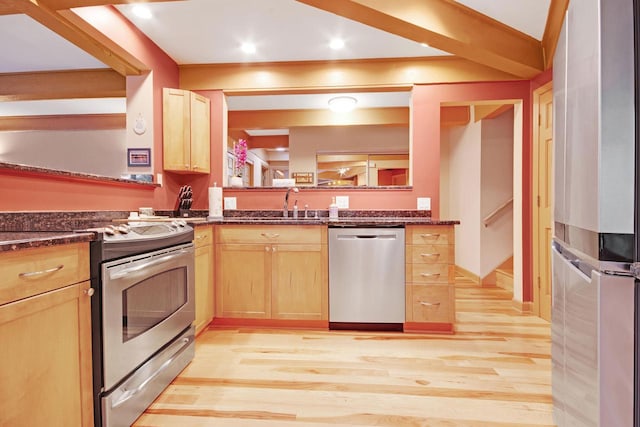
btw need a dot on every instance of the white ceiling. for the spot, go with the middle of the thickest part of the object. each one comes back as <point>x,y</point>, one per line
<point>211,31</point>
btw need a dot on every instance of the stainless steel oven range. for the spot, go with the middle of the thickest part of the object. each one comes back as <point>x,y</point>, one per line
<point>142,315</point>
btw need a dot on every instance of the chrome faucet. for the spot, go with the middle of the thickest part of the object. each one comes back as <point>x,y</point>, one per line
<point>285,208</point>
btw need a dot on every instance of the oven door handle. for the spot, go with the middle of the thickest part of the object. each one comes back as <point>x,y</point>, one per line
<point>128,394</point>
<point>151,263</point>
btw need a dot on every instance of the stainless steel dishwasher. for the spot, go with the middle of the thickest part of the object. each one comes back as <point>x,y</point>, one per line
<point>366,278</point>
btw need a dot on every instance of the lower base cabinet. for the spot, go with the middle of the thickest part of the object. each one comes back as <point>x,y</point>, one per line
<point>276,272</point>
<point>430,278</point>
<point>45,374</point>
<point>203,242</point>
<point>45,337</point>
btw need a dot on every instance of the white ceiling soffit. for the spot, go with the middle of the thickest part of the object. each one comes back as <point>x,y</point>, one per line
<point>29,46</point>
<point>316,101</point>
<point>64,107</point>
<point>528,16</point>
<point>212,31</point>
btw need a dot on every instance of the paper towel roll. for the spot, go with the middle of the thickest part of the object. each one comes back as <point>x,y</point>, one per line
<point>215,202</point>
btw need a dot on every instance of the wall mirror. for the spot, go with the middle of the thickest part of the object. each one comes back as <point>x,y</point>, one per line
<point>291,136</point>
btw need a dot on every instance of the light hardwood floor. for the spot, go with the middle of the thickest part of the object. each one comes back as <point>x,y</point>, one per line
<point>494,372</point>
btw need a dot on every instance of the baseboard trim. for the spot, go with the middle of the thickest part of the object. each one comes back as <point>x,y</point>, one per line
<point>429,327</point>
<point>466,273</point>
<point>269,323</point>
<point>524,307</point>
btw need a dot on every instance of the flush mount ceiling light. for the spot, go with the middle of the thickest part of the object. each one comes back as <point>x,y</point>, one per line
<point>342,104</point>
<point>248,47</point>
<point>141,11</point>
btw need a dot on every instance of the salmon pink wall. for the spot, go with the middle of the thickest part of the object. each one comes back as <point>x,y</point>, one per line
<point>22,192</point>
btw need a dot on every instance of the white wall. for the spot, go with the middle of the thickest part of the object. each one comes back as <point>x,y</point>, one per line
<point>95,152</point>
<point>464,192</point>
<point>476,176</point>
<point>306,142</point>
<point>496,240</point>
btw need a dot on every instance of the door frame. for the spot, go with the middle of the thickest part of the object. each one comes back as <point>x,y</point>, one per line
<point>536,241</point>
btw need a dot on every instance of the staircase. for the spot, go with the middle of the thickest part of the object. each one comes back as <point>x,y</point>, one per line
<point>504,278</point>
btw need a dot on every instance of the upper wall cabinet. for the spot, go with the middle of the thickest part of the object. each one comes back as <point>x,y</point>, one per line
<point>186,125</point>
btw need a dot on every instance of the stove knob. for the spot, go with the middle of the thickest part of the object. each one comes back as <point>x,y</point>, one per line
<point>124,229</point>
<point>181,222</point>
<point>109,230</point>
<point>174,224</point>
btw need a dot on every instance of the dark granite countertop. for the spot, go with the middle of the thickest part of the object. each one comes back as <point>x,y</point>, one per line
<point>16,240</point>
<point>355,221</point>
<point>23,230</point>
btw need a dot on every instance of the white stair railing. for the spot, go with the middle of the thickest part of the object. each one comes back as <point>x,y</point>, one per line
<point>493,216</point>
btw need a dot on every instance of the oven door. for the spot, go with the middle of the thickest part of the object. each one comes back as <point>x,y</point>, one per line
<point>147,301</point>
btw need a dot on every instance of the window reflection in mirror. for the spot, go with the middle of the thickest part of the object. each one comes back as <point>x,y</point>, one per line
<point>372,170</point>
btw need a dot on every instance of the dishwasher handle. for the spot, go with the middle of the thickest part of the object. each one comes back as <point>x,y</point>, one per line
<point>367,236</point>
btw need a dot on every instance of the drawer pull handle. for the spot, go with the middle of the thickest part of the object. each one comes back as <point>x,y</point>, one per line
<point>430,274</point>
<point>429,255</point>
<point>41,272</point>
<point>270,235</point>
<point>267,248</point>
<point>429,304</point>
<point>429,236</point>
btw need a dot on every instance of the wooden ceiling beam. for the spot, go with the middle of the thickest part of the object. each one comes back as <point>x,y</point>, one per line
<point>455,116</point>
<point>103,83</point>
<point>13,7</point>
<point>70,4</point>
<point>325,76</point>
<point>448,26</point>
<point>64,122</point>
<point>268,141</point>
<point>284,119</point>
<point>557,11</point>
<point>481,112</point>
<point>71,27</point>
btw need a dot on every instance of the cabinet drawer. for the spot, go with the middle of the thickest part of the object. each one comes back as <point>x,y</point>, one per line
<point>30,272</point>
<point>430,273</point>
<point>203,236</point>
<point>431,303</point>
<point>430,254</point>
<point>261,233</point>
<point>430,234</point>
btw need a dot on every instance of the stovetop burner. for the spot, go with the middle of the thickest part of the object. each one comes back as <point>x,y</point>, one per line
<point>137,237</point>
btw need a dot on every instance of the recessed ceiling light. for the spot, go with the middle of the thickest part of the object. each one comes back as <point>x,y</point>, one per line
<point>248,47</point>
<point>342,104</point>
<point>141,11</point>
<point>336,44</point>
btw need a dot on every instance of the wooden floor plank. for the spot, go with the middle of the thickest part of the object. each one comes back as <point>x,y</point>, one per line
<point>495,371</point>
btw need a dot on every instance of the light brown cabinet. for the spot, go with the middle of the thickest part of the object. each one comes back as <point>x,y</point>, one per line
<point>45,336</point>
<point>271,272</point>
<point>186,127</point>
<point>430,278</point>
<point>203,241</point>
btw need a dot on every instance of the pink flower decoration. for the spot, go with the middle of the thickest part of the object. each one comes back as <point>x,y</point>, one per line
<point>240,151</point>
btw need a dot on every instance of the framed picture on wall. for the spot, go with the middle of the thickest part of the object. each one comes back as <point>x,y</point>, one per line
<point>138,157</point>
<point>230,161</point>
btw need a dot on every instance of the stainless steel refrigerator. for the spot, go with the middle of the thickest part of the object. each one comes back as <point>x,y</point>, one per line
<point>593,325</point>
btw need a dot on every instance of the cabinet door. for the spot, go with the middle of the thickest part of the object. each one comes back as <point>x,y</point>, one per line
<point>299,287</point>
<point>243,281</point>
<point>204,286</point>
<point>176,130</point>
<point>200,134</point>
<point>45,374</point>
